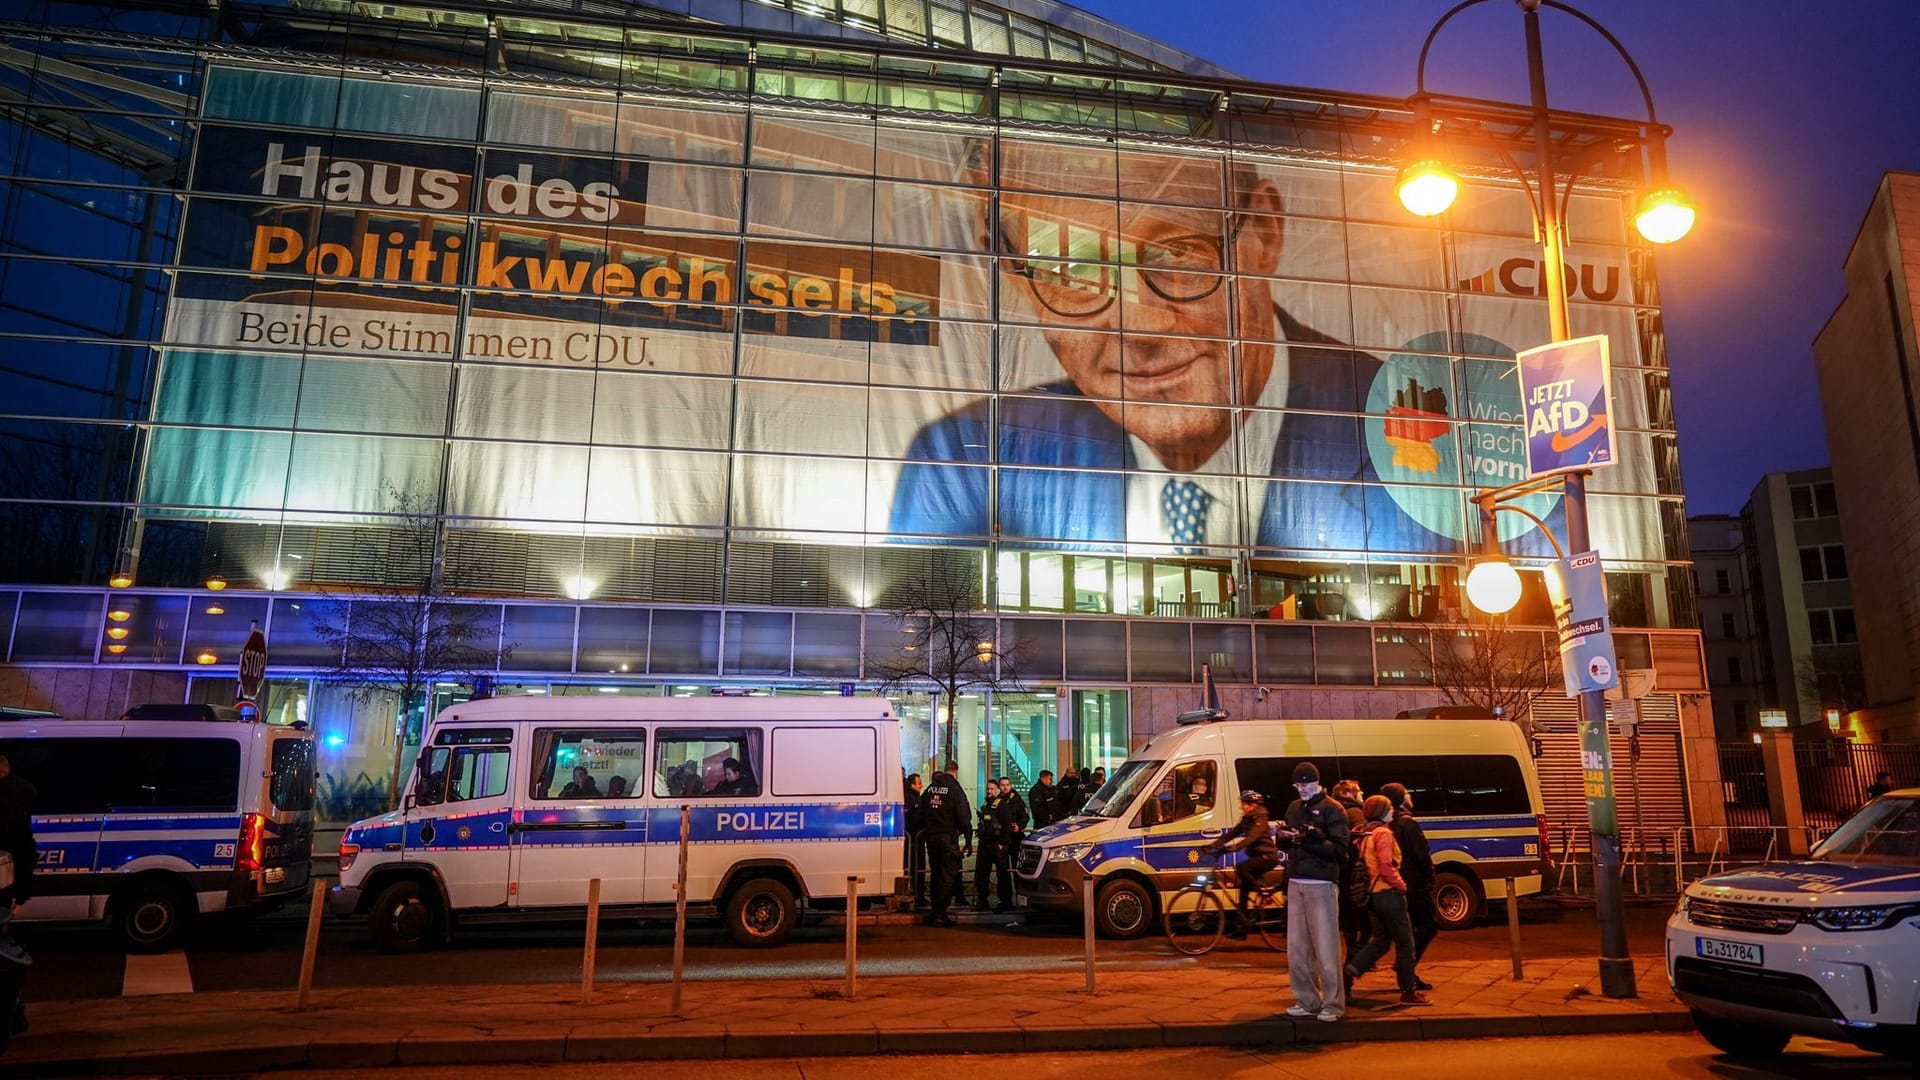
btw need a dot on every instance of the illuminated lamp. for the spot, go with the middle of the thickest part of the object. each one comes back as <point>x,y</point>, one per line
<point>116,649</point>
<point>1427,187</point>
<point>121,578</point>
<point>216,583</point>
<point>1493,585</point>
<point>1833,720</point>
<point>984,651</point>
<point>1664,215</point>
<point>206,658</point>
<point>118,615</point>
<point>216,609</point>
<point>116,632</point>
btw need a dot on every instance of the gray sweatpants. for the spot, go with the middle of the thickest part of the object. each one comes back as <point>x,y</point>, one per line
<point>1313,946</point>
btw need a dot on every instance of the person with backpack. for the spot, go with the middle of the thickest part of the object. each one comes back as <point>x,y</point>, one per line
<point>1353,900</point>
<point>1416,865</point>
<point>1317,831</point>
<point>1386,905</point>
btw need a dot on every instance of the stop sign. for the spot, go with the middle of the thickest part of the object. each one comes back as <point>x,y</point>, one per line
<point>253,664</point>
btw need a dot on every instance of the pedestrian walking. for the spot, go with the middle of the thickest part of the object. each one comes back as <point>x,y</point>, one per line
<point>945,818</point>
<point>1043,800</point>
<point>1317,831</point>
<point>1416,865</point>
<point>1386,905</point>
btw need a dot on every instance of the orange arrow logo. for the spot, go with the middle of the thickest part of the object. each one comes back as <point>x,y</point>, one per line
<point>1563,443</point>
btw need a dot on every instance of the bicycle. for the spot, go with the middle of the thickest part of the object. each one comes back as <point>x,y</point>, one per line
<point>1196,917</point>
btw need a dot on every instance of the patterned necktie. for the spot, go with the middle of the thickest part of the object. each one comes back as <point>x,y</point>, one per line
<point>1184,504</point>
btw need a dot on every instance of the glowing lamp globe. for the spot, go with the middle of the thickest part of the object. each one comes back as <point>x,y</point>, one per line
<point>1427,188</point>
<point>1493,586</point>
<point>116,632</point>
<point>206,658</point>
<point>116,649</point>
<point>121,579</point>
<point>1664,215</point>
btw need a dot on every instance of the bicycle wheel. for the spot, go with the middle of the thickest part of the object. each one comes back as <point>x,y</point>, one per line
<point>1268,911</point>
<point>1194,920</point>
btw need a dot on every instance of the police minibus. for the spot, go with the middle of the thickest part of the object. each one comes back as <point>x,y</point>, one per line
<point>1472,783</point>
<point>516,803</point>
<point>170,812</point>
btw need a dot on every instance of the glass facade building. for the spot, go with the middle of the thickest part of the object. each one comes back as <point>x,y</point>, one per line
<point>683,346</point>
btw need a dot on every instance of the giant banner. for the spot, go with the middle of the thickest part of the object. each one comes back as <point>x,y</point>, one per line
<point>569,312</point>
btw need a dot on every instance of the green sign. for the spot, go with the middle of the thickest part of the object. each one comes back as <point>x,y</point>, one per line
<point>1596,769</point>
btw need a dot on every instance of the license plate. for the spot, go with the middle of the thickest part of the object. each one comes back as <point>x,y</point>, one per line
<point>1019,899</point>
<point>1737,952</point>
<point>276,874</point>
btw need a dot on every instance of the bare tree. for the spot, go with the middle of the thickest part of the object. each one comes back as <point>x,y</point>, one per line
<point>403,629</point>
<point>946,642</point>
<point>1490,665</point>
<point>1833,678</point>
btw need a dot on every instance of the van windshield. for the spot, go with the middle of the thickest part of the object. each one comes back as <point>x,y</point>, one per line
<point>1886,831</point>
<point>1122,789</point>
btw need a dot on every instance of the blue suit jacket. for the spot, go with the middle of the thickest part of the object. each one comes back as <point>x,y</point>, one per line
<point>1325,497</point>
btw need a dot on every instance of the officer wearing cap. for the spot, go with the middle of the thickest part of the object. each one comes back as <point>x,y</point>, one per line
<point>1317,826</point>
<point>944,818</point>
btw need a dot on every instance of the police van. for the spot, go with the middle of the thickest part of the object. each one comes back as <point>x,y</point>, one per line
<point>1472,783</point>
<point>515,803</point>
<point>168,813</point>
<point>1827,946</point>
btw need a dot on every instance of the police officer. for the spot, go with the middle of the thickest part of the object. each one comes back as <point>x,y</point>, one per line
<point>992,845</point>
<point>945,817</point>
<point>916,844</point>
<point>1043,800</point>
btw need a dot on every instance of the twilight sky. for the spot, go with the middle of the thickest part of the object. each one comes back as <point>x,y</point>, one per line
<point>1785,115</point>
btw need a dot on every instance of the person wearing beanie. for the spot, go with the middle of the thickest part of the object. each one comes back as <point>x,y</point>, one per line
<point>1317,830</point>
<point>1416,865</point>
<point>1386,904</point>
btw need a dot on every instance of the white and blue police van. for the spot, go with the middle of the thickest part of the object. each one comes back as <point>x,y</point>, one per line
<point>1827,946</point>
<point>516,803</point>
<point>168,813</point>
<point>1141,836</point>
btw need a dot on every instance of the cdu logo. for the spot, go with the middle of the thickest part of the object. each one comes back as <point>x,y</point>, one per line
<point>1521,276</point>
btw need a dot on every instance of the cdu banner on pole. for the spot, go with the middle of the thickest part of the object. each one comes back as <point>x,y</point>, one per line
<point>1567,403</point>
<point>1578,588</point>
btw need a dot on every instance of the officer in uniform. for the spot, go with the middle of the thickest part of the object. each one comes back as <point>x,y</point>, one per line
<point>945,816</point>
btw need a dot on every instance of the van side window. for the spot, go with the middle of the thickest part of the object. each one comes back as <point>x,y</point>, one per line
<point>1483,784</point>
<point>69,773</point>
<point>1187,791</point>
<point>1273,777</point>
<point>716,763</point>
<point>172,774</point>
<point>292,767</point>
<point>588,763</point>
<point>463,773</point>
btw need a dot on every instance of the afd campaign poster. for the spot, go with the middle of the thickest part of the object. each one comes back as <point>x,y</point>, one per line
<point>631,315</point>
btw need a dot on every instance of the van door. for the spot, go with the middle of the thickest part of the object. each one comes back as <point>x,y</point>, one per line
<point>1185,812</point>
<point>583,818</point>
<point>286,804</point>
<point>458,822</point>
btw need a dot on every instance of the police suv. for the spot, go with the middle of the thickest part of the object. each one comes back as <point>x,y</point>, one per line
<point>1826,946</point>
<point>168,813</point>
<point>516,803</point>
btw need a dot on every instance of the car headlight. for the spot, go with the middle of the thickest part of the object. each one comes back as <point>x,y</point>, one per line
<point>1068,852</point>
<point>1878,917</point>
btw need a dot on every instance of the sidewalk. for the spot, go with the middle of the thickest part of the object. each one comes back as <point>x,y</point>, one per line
<point>946,1011</point>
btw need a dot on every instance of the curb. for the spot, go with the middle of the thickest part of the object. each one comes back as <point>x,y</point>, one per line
<point>857,1042</point>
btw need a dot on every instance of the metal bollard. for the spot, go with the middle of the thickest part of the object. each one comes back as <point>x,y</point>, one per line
<point>1513,926</point>
<point>593,942</point>
<point>312,947</point>
<point>680,911</point>
<point>853,931</point>
<point>1086,907</point>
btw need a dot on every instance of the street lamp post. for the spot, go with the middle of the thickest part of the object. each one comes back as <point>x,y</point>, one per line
<point>1663,215</point>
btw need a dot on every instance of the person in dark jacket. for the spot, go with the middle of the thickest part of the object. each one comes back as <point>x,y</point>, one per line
<point>1416,865</point>
<point>916,844</point>
<point>1354,922</point>
<point>945,818</point>
<point>1317,829</point>
<point>1071,797</point>
<point>1008,815</point>
<point>16,839</point>
<point>1254,837</point>
<point>1043,800</point>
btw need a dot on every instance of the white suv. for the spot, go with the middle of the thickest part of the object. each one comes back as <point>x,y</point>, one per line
<point>1828,946</point>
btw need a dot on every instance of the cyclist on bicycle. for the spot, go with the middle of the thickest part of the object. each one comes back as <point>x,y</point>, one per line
<point>1255,839</point>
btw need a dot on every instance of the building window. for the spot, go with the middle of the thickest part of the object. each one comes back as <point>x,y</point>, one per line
<point>1739,716</point>
<point>1844,632</point>
<point>1726,625</point>
<point>1832,626</point>
<point>1813,501</point>
<point>1828,563</point>
<point>1820,626</point>
<point>1733,669</point>
<point>1722,584</point>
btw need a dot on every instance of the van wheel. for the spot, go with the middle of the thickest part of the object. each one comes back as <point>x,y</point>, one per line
<point>1122,909</point>
<point>761,913</point>
<point>1738,1040</point>
<point>403,918</point>
<point>1457,901</point>
<point>150,916</point>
